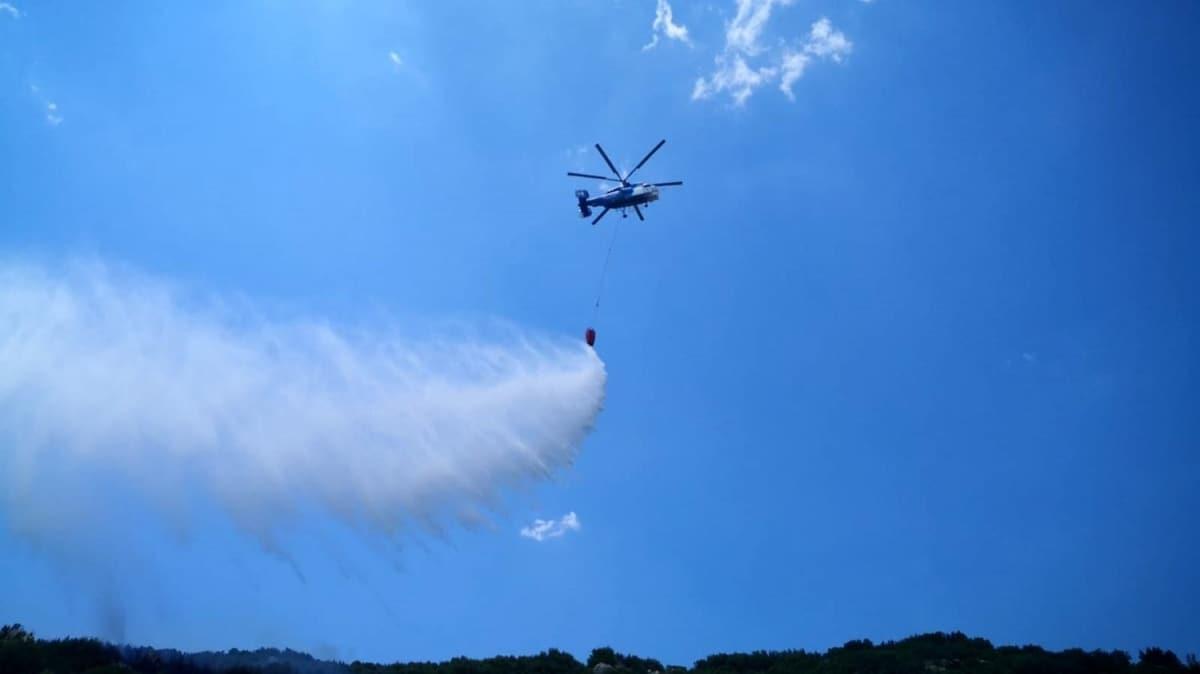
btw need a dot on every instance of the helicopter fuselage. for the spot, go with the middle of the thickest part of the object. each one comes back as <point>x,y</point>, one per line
<point>625,197</point>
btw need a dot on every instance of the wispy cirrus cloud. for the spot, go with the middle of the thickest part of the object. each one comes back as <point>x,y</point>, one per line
<point>664,24</point>
<point>53,115</point>
<point>10,9</point>
<point>540,530</point>
<point>747,26</point>
<point>791,69</point>
<point>740,67</point>
<point>735,76</point>
<point>823,42</point>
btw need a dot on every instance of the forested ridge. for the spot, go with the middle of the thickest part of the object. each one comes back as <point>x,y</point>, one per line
<point>21,652</point>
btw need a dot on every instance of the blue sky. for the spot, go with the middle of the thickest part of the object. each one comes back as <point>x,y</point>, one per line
<point>912,349</point>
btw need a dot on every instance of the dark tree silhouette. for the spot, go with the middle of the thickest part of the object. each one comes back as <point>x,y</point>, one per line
<point>935,653</point>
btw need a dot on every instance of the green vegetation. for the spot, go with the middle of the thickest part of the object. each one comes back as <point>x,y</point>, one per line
<point>937,653</point>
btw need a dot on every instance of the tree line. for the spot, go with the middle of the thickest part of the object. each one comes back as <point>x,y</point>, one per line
<point>936,653</point>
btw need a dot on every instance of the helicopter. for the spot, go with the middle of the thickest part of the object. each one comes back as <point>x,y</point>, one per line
<point>625,196</point>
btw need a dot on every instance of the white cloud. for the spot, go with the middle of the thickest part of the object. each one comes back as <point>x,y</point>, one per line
<point>791,69</point>
<point>752,15</point>
<point>734,76</point>
<point>127,380</point>
<point>737,76</point>
<point>395,59</point>
<point>664,24</point>
<point>540,530</point>
<point>9,9</point>
<point>825,42</point>
<point>53,114</point>
<point>53,117</point>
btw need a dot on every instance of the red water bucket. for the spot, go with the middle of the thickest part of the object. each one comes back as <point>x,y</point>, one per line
<point>590,337</point>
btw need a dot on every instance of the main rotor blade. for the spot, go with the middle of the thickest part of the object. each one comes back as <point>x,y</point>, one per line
<point>589,175</point>
<point>674,182</point>
<point>645,159</point>
<point>639,212</point>
<point>602,214</point>
<point>610,164</point>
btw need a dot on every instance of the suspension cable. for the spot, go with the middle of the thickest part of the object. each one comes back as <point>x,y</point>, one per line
<point>604,273</point>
